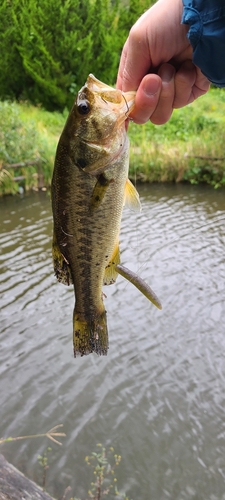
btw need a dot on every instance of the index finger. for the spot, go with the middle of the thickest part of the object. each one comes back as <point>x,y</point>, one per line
<point>134,62</point>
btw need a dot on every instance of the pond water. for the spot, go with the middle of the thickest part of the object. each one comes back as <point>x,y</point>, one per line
<point>159,396</point>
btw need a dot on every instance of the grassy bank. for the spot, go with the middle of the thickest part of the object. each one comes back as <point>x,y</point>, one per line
<point>190,147</point>
<point>28,135</point>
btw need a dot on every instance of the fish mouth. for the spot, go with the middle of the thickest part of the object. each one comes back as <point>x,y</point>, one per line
<point>129,99</point>
<point>111,99</point>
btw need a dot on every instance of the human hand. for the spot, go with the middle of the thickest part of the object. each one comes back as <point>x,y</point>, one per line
<point>156,61</point>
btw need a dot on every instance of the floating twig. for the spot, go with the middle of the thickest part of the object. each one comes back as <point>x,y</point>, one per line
<point>51,434</point>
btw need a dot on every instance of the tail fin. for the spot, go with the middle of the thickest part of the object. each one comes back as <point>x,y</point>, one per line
<point>90,334</point>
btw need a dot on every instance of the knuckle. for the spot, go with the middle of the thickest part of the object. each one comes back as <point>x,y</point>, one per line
<point>137,37</point>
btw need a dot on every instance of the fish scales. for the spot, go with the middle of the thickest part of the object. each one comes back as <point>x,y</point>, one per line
<point>87,238</point>
<point>88,189</point>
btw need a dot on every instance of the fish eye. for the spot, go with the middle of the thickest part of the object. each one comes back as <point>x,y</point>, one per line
<point>83,107</point>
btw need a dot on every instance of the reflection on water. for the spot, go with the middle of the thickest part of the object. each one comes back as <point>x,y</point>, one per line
<point>158,397</point>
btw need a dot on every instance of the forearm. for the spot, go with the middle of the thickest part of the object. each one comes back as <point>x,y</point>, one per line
<point>206,21</point>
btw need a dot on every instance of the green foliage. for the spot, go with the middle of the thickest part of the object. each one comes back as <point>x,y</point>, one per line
<point>129,15</point>
<point>212,173</point>
<point>25,139</point>
<point>12,77</point>
<point>17,143</point>
<point>183,124</point>
<point>7,184</point>
<point>17,139</point>
<point>190,147</point>
<point>104,482</point>
<point>48,48</point>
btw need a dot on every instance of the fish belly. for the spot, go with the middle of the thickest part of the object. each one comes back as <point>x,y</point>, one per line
<point>86,236</point>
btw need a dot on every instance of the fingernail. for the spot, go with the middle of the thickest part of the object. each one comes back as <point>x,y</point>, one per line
<point>167,73</point>
<point>151,87</point>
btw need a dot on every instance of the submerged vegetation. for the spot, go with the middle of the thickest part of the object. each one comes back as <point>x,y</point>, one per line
<point>189,148</point>
<point>103,463</point>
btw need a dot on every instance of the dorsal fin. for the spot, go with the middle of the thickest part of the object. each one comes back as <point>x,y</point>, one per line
<point>131,196</point>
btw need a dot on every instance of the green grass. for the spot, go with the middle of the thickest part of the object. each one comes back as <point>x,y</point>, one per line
<point>184,149</point>
<point>170,152</point>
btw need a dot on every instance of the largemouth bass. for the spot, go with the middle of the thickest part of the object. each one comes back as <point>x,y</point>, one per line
<point>89,187</point>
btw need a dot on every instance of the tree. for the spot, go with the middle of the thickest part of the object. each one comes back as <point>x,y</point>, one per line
<point>48,47</point>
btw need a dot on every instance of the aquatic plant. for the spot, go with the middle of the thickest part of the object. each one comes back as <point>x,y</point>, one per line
<point>104,484</point>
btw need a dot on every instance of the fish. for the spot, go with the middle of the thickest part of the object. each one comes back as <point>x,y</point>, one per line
<point>89,188</point>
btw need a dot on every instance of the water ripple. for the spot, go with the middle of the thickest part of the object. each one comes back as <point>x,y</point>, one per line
<point>158,397</point>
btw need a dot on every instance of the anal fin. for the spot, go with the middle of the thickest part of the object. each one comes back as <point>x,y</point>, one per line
<point>61,266</point>
<point>111,272</point>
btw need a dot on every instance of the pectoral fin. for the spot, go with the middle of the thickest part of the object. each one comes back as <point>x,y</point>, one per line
<point>140,284</point>
<point>131,196</point>
<point>111,269</point>
<point>99,190</point>
<point>61,266</point>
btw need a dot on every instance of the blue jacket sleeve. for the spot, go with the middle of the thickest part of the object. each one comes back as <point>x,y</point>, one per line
<point>206,19</point>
